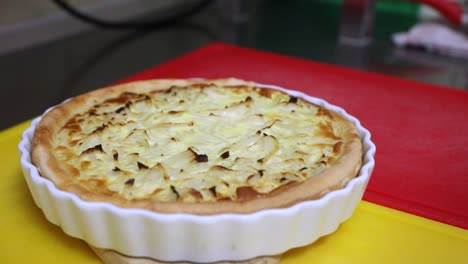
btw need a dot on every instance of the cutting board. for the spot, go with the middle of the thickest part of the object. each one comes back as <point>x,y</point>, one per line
<point>421,130</point>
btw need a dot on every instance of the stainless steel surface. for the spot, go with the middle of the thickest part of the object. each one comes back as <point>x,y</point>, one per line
<point>35,78</point>
<point>39,22</point>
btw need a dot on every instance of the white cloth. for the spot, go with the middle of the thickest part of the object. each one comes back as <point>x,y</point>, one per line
<point>435,38</point>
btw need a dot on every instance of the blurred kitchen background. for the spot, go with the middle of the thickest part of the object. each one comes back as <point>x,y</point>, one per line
<point>47,54</point>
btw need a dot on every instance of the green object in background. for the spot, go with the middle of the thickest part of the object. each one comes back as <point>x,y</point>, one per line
<point>280,25</point>
<point>402,7</point>
<point>394,16</point>
<point>398,7</point>
<point>298,28</point>
<point>391,15</point>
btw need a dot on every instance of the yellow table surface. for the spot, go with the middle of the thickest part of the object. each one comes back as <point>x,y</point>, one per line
<point>374,234</point>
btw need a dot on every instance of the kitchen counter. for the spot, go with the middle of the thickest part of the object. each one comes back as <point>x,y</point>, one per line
<point>40,76</point>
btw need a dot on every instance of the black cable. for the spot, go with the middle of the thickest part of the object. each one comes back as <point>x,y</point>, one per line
<point>100,55</point>
<point>130,24</point>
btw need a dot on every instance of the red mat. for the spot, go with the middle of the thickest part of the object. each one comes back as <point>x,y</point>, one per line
<point>420,130</point>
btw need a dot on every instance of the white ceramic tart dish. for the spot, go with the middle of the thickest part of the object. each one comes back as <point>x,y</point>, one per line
<point>190,219</point>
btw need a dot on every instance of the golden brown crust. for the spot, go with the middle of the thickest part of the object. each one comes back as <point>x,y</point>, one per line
<point>344,168</point>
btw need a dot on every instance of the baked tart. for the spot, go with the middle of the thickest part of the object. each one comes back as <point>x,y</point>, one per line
<point>199,147</point>
<point>207,167</point>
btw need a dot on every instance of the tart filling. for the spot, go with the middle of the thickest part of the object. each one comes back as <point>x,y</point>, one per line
<point>196,146</point>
